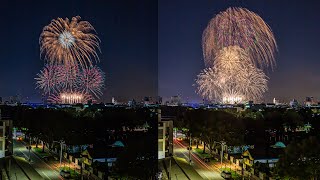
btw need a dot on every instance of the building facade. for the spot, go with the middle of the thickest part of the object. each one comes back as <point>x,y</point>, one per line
<point>165,136</point>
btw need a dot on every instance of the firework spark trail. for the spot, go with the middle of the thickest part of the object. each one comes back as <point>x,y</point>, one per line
<point>215,86</point>
<point>69,97</point>
<point>67,77</point>
<point>46,79</point>
<point>243,28</point>
<point>232,78</point>
<point>92,79</point>
<point>56,81</point>
<point>70,43</point>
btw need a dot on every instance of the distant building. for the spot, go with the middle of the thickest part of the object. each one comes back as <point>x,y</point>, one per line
<point>159,100</point>
<point>132,103</point>
<point>6,146</point>
<point>165,136</point>
<point>248,104</point>
<point>175,101</point>
<point>275,101</point>
<point>309,101</point>
<point>270,105</point>
<point>293,103</point>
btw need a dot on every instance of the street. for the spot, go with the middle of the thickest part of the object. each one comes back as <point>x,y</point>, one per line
<point>204,170</point>
<point>43,169</point>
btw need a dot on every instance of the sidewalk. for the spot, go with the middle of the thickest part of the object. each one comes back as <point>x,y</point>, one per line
<point>21,169</point>
<point>226,164</point>
<point>180,169</point>
<point>56,163</point>
<point>15,172</point>
<point>187,168</point>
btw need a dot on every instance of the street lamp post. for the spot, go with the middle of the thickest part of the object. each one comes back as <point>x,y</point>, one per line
<point>29,147</point>
<point>61,142</point>
<point>222,143</point>
<point>170,176</point>
<point>190,149</point>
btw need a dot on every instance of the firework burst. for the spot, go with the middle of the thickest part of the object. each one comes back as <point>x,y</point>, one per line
<point>46,80</point>
<point>92,79</point>
<point>243,28</point>
<point>232,79</point>
<point>230,88</point>
<point>67,78</point>
<point>69,43</point>
<point>62,85</point>
<point>69,97</point>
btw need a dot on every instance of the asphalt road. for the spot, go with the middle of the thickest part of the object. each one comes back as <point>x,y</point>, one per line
<point>204,170</point>
<point>43,169</point>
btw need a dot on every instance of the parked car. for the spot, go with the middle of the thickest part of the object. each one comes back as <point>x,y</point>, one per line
<point>65,174</point>
<point>226,175</point>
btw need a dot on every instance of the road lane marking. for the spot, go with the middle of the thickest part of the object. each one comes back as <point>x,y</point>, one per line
<point>200,162</point>
<point>203,174</point>
<point>54,171</point>
<point>46,175</point>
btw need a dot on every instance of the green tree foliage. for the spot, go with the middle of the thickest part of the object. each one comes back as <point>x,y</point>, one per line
<point>138,156</point>
<point>212,126</point>
<point>292,119</point>
<point>301,160</point>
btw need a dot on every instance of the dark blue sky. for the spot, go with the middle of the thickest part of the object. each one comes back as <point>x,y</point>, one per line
<point>295,25</point>
<point>127,29</point>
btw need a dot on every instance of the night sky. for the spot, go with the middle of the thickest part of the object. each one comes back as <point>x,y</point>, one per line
<point>128,33</point>
<point>296,28</point>
<point>141,38</point>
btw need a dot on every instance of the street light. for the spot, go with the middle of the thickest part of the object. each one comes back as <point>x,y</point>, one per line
<point>190,150</point>
<point>29,148</point>
<point>222,143</point>
<point>170,166</point>
<point>61,144</point>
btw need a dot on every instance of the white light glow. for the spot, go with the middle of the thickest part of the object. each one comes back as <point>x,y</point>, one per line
<point>71,98</point>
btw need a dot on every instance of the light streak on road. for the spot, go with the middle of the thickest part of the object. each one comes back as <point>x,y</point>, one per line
<point>44,169</point>
<point>206,171</point>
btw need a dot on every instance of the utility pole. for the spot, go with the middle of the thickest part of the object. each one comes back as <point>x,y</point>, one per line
<point>221,153</point>
<point>29,147</point>
<point>222,143</point>
<point>190,149</point>
<point>61,144</point>
<point>170,168</point>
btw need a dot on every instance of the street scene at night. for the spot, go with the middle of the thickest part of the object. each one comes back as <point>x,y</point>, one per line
<point>159,90</point>
<point>239,83</point>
